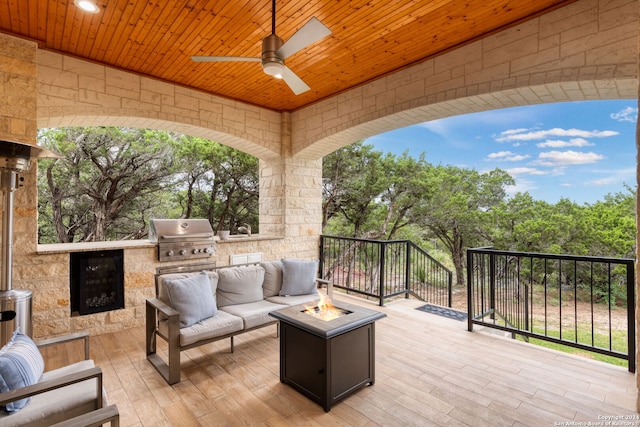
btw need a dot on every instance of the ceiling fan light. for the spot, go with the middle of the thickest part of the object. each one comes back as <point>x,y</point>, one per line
<point>274,69</point>
<point>87,5</point>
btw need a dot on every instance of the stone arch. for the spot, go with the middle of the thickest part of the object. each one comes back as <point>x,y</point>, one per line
<point>587,50</point>
<point>73,92</point>
<point>622,89</point>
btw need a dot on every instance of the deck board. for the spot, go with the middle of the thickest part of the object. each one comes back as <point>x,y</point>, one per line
<point>430,371</point>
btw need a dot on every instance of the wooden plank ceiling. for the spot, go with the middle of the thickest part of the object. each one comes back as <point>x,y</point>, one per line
<point>156,38</point>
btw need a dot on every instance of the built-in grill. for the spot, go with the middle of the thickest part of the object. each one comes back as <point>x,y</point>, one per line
<point>15,304</point>
<point>182,239</point>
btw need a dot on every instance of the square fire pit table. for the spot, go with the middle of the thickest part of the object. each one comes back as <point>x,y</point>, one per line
<point>327,360</point>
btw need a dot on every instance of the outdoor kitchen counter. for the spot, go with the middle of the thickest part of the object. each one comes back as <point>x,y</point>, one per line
<point>59,248</point>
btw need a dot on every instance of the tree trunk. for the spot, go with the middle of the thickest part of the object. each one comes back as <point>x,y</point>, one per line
<point>457,254</point>
<point>56,206</point>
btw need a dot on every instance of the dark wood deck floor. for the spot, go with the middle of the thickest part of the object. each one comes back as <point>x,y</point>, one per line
<point>429,371</point>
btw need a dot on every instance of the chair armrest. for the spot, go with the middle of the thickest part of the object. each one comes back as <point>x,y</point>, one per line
<point>108,414</point>
<point>328,284</point>
<point>154,307</point>
<point>162,307</point>
<point>65,339</point>
<point>45,386</point>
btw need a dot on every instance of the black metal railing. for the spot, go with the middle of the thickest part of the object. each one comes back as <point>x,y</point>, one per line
<point>384,269</point>
<point>569,300</point>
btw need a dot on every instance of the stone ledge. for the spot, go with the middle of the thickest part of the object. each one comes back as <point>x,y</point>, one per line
<point>59,248</point>
<point>234,238</point>
<point>62,248</point>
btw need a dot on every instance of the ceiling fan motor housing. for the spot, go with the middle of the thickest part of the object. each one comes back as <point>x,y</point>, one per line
<point>272,63</point>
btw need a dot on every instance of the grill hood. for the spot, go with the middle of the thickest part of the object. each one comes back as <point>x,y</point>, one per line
<point>182,239</point>
<point>179,230</point>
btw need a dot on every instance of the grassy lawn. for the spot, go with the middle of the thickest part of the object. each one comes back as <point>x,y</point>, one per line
<point>618,343</point>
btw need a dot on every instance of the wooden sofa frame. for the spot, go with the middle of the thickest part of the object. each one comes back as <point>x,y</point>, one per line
<point>170,370</point>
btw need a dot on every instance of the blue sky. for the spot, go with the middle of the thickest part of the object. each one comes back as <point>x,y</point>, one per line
<point>578,150</point>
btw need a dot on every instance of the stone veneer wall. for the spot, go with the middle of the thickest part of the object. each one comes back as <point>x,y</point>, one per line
<point>47,275</point>
<point>71,92</point>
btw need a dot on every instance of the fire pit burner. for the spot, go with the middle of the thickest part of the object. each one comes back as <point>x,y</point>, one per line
<point>326,313</point>
<point>327,360</point>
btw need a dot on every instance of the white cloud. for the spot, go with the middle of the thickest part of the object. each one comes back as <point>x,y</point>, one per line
<point>440,127</point>
<point>525,171</point>
<point>513,131</point>
<point>515,172</point>
<point>628,114</point>
<point>557,143</point>
<point>532,135</point>
<point>617,176</point>
<point>564,158</point>
<point>521,186</point>
<point>506,156</point>
<point>603,181</point>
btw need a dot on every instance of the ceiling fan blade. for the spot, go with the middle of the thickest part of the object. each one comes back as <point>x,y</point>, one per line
<point>310,33</point>
<point>293,81</point>
<point>224,58</point>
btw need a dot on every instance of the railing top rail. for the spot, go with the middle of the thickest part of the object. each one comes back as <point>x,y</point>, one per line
<point>435,261</point>
<point>490,250</point>
<point>357,239</point>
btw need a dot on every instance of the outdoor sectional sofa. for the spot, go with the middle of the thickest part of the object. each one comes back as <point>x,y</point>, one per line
<point>199,304</point>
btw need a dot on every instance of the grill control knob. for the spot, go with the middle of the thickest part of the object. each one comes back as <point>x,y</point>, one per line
<point>196,251</point>
<point>182,252</point>
<point>169,253</point>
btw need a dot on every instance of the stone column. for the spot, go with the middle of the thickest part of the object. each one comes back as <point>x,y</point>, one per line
<point>291,199</point>
<point>18,100</point>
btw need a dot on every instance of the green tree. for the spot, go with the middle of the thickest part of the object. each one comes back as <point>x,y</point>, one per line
<point>524,224</point>
<point>409,186</point>
<point>459,203</point>
<point>107,185</point>
<point>218,183</point>
<point>353,180</point>
<point>611,225</point>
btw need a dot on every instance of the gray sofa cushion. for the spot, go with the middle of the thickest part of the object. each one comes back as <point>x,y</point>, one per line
<point>298,277</point>
<point>220,324</point>
<point>240,285</point>
<point>310,299</point>
<point>255,313</point>
<point>192,297</point>
<point>272,278</point>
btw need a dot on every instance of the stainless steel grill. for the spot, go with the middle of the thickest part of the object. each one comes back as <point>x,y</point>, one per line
<point>182,239</point>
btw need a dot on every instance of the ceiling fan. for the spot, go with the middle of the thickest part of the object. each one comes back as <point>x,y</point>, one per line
<point>275,51</point>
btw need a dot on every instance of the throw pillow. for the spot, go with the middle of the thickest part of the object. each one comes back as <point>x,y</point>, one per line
<point>272,278</point>
<point>192,298</point>
<point>298,277</point>
<point>240,285</point>
<point>21,365</point>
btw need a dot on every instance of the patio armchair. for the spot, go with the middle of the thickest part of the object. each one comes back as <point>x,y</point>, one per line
<point>71,395</point>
